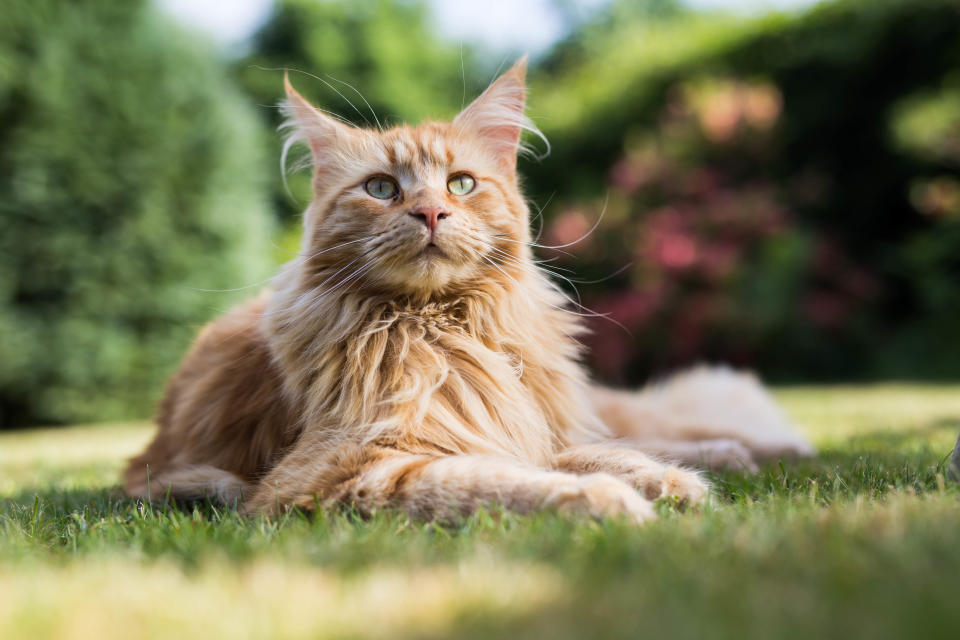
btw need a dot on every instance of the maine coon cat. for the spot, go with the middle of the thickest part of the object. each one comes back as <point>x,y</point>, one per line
<point>413,355</point>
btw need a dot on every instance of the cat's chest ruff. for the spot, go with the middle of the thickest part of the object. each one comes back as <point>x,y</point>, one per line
<point>448,330</point>
<point>434,317</point>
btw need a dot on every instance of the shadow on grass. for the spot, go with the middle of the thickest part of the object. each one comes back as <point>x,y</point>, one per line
<point>53,513</point>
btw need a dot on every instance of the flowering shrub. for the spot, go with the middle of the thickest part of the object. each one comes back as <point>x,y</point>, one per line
<point>717,264</point>
<point>785,189</point>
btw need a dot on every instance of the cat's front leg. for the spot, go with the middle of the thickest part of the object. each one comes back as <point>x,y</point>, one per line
<point>444,487</point>
<point>653,478</point>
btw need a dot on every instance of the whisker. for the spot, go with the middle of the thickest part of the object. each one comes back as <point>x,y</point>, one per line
<point>596,224</point>
<point>281,272</point>
<point>249,286</point>
<point>507,258</point>
<point>553,270</point>
<point>581,238</point>
<point>608,277</point>
<point>541,263</point>
<point>590,313</point>
<point>533,244</point>
<point>352,262</point>
<point>319,288</point>
<point>342,244</point>
<point>354,276</point>
<point>368,266</point>
<point>334,115</point>
<point>372,112</point>
<point>539,215</point>
<point>329,113</point>
<point>337,91</point>
<point>463,76</point>
<point>560,276</point>
<point>496,74</point>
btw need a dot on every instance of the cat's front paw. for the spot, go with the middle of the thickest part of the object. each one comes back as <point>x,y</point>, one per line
<point>666,481</point>
<point>602,496</point>
<point>686,487</point>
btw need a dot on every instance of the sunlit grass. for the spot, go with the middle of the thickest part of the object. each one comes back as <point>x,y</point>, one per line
<point>62,458</point>
<point>863,541</point>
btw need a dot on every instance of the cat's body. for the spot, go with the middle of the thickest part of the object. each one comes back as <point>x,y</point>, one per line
<point>413,355</point>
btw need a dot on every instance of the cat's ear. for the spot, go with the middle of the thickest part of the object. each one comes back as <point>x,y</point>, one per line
<point>497,116</point>
<point>325,135</point>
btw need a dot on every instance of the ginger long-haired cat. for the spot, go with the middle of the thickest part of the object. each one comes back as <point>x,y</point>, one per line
<point>413,355</point>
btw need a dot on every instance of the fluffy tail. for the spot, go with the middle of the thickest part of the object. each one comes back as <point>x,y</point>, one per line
<point>707,415</point>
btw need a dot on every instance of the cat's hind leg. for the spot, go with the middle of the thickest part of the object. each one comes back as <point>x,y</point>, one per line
<point>188,482</point>
<point>442,487</point>
<point>716,453</point>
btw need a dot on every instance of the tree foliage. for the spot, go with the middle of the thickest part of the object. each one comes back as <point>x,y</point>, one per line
<point>130,178</point>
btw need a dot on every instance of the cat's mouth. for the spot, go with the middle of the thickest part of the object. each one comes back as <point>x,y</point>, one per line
<point>432,251</point>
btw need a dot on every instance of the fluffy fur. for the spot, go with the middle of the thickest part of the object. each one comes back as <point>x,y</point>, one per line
<point>413,355</point>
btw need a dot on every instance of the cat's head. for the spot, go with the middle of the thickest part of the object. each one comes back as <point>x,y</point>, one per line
<point>417,209</point>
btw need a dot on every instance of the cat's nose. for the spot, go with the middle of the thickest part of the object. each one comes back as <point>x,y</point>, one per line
<point>430,216</point>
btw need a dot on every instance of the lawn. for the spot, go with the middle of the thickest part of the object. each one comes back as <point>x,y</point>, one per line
<point>863,541</point>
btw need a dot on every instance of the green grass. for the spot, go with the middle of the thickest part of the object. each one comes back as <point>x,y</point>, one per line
<point>864,541</point>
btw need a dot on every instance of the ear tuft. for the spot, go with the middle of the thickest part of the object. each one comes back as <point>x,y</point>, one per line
<point>305,123</point>
<point>498,116</point>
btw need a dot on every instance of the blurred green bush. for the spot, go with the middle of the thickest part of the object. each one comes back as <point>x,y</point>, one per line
<point>131,177</point>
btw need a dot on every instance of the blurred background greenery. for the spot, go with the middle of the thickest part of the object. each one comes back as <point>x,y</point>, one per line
<point>778,190</point>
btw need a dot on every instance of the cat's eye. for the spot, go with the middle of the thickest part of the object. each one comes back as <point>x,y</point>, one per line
<point>461,184</point>
<point>381,187</point>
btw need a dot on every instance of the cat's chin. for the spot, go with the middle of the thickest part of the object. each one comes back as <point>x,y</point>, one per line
<point>428,272</point>
<point>432,252</point>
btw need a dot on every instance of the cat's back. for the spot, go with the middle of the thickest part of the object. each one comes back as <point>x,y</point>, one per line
<point>225,405</point>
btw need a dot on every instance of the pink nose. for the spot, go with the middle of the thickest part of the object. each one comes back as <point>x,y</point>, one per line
<point>430,216</point>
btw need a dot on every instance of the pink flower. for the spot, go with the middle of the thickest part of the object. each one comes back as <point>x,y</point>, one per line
<point>629,308</point>
<point>674,251</point>
<point>667,242</point>
<point>626,175</point>
<point>569,229</point>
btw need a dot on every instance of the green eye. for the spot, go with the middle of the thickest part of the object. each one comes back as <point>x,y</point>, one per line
<point>382,188</point>
<point>461,184</point>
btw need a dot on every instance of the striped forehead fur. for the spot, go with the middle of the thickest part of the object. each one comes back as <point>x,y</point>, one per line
<point>498,109</point>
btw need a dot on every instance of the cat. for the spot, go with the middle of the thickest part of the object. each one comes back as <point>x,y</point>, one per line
<point>413,355</point>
